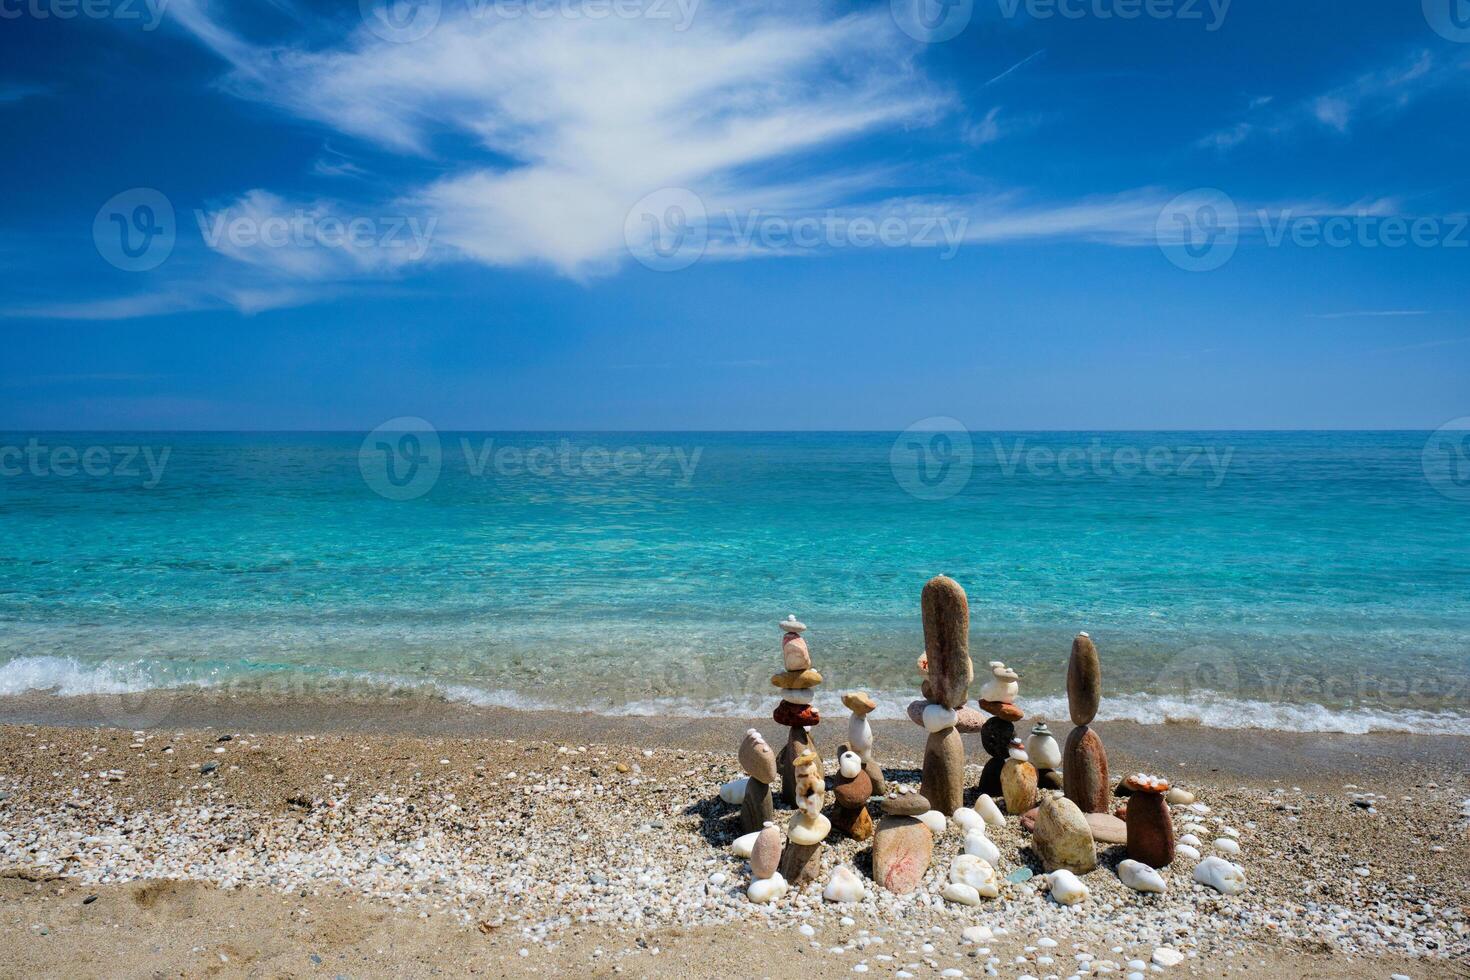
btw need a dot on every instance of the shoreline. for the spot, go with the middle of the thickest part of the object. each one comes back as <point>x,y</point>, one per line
<point>1247,752</point>
<point>454,838</point>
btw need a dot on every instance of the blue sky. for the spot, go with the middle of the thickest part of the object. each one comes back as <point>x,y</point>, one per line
<point>693,214</point>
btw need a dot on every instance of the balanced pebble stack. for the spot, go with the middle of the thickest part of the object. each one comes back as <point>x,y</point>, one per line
<point>947,674</point>
<point>1084,761</point>
<point>796,684</point>
<point>759,763</point>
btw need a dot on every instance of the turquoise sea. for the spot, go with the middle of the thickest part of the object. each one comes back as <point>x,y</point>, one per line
<point>1312,580</point>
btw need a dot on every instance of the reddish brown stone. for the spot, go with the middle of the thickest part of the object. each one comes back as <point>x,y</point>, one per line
<point>968,721</point>
<point>1085,771</point>
<point>1150,829</point>
<point>1084,681</point>
<point>902,847</point>
<point>944,771</point>
<point>793,715</point>
<point>1003,710</point>
<point>947,640</point>
<point>1121,811</point>
<point>857,824</point>
<point>1028,820</point>
<point>853,793</point>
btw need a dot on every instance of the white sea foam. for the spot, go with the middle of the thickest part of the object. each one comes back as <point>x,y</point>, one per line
<point>69,677</point>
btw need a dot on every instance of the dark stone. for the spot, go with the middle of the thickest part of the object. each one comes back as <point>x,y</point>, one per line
<point>1150,830</point>
<point>1085,771</point>
<point>1084,681</point>
<point>797,742</point>
<point>990,780</point>
<point>757,807</point>
<point>801,863</point>
<point>995,737</point>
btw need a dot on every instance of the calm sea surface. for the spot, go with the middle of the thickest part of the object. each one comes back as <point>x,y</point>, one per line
<point>1297,580</point>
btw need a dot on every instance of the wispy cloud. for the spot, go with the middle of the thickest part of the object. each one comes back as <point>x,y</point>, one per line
<point>1371,93</point>
<point>1017,66</point>
<point>1353,314</point>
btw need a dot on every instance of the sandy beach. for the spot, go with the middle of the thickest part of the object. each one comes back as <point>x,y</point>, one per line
<point>295,838</point>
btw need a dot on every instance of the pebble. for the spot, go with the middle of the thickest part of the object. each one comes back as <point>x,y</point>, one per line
<point>1067,888</point>
<point>765,890</point>
<point>1168,956</point>
<point>989,812</point>
<point>844,886</point>
<point>1221,875</point>
<point>934,820</point>
<point>1140,877</point>
<point>1227,844</point>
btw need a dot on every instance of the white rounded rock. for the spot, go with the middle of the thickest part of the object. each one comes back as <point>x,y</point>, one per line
<point>733,792</point>
<point>743,846</point>
<point>805,829</point>
<point>1187,851</point>
<point>849,765</point>
<point>1140,877</point>
<point>797,697</point>
<point>1227,844</point>
<point>983,847</point>
<point>1179,797</point>
<point>1190,839</point>
<point>988,811</point>
<point>844,886</point>
<point>860,734</point>
<point>975,935</point>
<point>967,820</point>
<point>960,894</point>
<point>937,718</point>
<point>767,889</point>
<point>1221,875</point>
<point>975,872</point>
<point>1067,888</point>
<point>934,820</point>
<point>793,625</point>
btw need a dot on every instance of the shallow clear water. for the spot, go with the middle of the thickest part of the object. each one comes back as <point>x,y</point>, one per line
<point>1316,580</point>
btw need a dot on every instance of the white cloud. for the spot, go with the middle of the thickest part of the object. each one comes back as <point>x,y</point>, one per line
<point>1383,90</point>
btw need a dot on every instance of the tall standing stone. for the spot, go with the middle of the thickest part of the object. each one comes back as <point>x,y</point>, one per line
<point>944,771</point>
<point>947,641</point>
<point>1150,825</point>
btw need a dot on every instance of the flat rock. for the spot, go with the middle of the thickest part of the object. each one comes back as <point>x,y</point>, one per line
<point>905,804</point>
<point>968,721</point>
<point>1084,681</point>
<point>902,847</point>
<point>947,640</point>
<point>859,703</point>
<point>1062,838</point>
<point>1107,829</point>
<point>1003,709</point>
<point>796,680</point>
